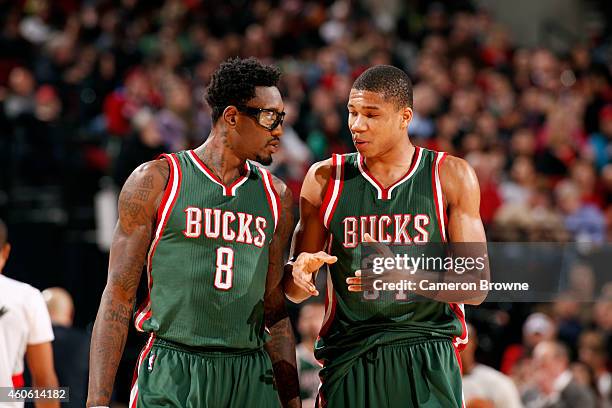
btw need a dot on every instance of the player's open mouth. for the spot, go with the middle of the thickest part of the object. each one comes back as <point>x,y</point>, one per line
<point>359,142</point>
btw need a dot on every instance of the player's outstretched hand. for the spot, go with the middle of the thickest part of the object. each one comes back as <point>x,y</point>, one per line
<point>305,265</point>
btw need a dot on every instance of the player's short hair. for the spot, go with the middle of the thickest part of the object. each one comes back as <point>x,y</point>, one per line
<point>393,83</point>
<point>234,82</point>
<point>3,234</point>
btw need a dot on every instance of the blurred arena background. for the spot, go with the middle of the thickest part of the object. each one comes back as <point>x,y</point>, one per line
<point>521,89</point>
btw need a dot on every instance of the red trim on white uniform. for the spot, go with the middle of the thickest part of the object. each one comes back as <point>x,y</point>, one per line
<point>227,190</point>
<point>385,193</point>
<point>143,354</point>
<point>18,380</point>
<point>271,195</point>
<point>163,213</point>
<point>334,190</point>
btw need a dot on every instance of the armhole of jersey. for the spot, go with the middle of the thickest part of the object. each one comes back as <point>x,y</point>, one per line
<point>439,195</point>
<point>271,195</point>
<point>163,213</point>
<point>168,190</point>
<point>334,189</point>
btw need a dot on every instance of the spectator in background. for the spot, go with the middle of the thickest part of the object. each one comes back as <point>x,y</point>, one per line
<point>25,329</point>
<point>44,141</point>
<point>583,174</point>
<point>422,126</point>
<point>484,383</point>
<point>179,124</point>
<point>309,325</point>
<point>124,103</point>
<point>487,168</point>
<point>601,142</point>
<point>522,184</point>
<point>522,143</point>
<point>566,312</point>
<point>553,383</point>
<point>70,348</point>
<point>606,179</point>
<point>585,222</point>
<point>84,95</point>
<point>602,313</point>
<point>592,352</point>
<point>538,327</point>
<point>20,98</point>
<point>582,282</point>
<point>583,375</point>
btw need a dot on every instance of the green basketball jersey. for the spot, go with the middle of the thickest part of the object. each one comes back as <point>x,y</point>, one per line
<point>409,212</point>
<point>208,261</point>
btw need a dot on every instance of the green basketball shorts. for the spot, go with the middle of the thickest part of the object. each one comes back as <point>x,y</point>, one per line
<point>420,373</point>
<point>171,375</point>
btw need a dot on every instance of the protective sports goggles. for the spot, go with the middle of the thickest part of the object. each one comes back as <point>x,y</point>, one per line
<point>266,118</point>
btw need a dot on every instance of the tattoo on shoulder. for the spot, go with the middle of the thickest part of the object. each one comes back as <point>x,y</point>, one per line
<point>146,182</point>
<point>135,198</point>
<point>163,170</point>
<point>287,199</point>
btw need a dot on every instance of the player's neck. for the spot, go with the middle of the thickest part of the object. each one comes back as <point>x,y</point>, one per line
<point>217,154</point>
<point>393,162</point>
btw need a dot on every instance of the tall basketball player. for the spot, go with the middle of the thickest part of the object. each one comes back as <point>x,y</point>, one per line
<point>210,226</point>
<point>384,353</point>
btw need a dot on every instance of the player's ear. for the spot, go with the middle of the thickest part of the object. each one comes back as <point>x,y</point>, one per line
<point>406,117</point>
<point>230,115</point>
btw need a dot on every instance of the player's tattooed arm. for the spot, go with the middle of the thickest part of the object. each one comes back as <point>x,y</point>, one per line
<point>281,347</point>
<point>138,202</point>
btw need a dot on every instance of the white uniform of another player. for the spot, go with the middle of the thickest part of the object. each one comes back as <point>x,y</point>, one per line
<point>24,320</point>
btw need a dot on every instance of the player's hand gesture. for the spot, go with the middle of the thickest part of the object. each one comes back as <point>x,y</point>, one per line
<point>357,283</point>
<point>305,265</point>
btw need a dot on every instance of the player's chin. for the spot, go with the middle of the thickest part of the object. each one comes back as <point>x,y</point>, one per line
<point>265,159</point>
<point>365,149</point>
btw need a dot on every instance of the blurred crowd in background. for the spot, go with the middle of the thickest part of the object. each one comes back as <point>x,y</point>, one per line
<point>89,90</point>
